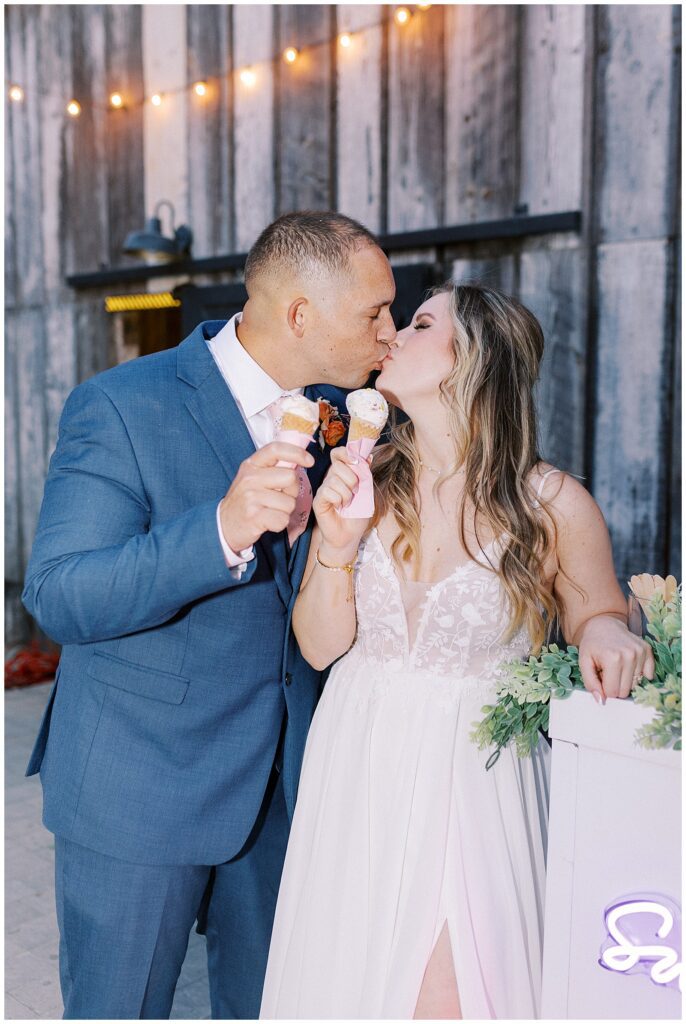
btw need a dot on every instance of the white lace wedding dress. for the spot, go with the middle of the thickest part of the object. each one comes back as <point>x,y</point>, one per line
<point>398,826</point>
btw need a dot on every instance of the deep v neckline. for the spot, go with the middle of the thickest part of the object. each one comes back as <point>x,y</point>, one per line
<point>433,586</point>
<point>412,645</point>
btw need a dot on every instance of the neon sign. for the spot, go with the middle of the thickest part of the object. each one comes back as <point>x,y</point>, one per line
<point>634,924</point>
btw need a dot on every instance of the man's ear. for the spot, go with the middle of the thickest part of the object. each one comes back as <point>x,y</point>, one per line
<point>297,312</point>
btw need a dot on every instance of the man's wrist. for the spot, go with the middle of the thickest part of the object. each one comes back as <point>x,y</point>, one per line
<point>234,559</point>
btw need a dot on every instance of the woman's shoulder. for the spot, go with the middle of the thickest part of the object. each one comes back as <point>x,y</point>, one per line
<point>563,492</point>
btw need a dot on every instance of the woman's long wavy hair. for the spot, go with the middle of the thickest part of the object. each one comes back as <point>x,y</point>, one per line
<point>491,412</point>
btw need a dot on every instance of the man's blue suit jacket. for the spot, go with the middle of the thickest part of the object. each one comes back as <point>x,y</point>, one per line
<point>162,726</point>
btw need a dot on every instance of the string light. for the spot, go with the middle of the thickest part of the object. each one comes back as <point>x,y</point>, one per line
<point>247,75</point>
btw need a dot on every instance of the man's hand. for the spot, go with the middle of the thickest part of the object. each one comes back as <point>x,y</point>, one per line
<point>262,495</point>
<point>612,660</point>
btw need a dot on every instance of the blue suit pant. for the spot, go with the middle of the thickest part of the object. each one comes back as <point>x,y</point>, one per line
<point>124,928</point>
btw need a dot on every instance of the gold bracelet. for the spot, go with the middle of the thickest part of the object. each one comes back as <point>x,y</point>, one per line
<point>349,568</point>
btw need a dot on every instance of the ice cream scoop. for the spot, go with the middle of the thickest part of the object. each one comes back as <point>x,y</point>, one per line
<point>368,413</point>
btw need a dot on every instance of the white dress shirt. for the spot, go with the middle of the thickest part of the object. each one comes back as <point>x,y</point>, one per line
<point>254,391</point>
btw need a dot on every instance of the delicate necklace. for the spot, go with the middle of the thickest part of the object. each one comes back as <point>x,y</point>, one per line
<point>424,466</point>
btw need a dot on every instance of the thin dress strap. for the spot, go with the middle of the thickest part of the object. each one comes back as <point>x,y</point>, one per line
<point>539,490</point>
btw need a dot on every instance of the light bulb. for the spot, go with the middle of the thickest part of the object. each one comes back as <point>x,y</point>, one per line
<point>290,55</point>
<point>200,88</point>
<point>402,15</point>
<point>116,100</point>
<point>74,108</point>
<point>345,40</point>
<point>16,93</point>
<point>248,77</point>
<point>156,100</point>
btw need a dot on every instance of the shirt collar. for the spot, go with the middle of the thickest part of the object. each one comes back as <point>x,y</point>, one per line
<point>251,385</point>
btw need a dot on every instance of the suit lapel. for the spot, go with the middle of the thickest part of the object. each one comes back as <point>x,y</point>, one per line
<point>214,409</point>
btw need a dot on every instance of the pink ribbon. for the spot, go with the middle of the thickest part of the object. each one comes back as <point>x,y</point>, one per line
<point>292,437</point>
<point>303,503</point>
<point>362,504</point>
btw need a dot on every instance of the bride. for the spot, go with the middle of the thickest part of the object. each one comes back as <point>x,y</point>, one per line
<point>413,884</point>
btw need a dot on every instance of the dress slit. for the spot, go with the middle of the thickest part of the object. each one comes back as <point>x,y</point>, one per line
<point>444,924</point>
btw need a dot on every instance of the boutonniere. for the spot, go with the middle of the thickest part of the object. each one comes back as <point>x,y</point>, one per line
<point>332,426</point>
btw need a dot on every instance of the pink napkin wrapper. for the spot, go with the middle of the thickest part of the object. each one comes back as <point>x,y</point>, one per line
<point>362,504</point>
<point>292,437</point>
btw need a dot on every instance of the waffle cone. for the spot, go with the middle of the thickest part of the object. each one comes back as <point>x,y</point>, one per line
<point>360,428</point>
<point>290,421</point>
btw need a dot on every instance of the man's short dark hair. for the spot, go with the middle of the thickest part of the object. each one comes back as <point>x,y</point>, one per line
<point>306,239</point>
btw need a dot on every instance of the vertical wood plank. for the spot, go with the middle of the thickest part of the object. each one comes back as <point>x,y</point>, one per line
<point>13,559</point>
<point>634,203</point>
<point>210,129</point>
<point>303,108</point>
<point>253,43</point>
<point>54,35</point>
<point>416,125</point>
<point>674,553</point>
<point>359,121</point>
<point>481,141</point>
<point>551,285</point>
<point>82,178</point>
<point>124,141</point>
<point>93,331</point>
<point>637,46</point>
<point>11,281</point>
<point>631,420</point>
<point>25,153</point>
<point>61,367</point>
<point>552,68</point>
<point>165,128</point>
<point>29,326</point>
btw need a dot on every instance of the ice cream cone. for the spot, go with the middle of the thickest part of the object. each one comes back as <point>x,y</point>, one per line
<point>362,428</point>
<point>291,421</point>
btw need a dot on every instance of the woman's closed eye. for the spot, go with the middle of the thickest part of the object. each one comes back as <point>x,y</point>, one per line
<point>420,327</point>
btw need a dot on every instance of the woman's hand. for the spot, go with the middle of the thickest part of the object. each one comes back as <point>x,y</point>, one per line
<point>612,660</point>
<point>341,537</point>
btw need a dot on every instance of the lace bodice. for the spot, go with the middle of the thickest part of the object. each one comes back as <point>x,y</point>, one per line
<point>458,626</point>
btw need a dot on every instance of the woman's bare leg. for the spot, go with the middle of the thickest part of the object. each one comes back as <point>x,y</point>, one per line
<point>438,996</point>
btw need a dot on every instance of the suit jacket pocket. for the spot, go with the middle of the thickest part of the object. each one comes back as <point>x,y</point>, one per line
<point>145,682</point>
<point>36,758</point>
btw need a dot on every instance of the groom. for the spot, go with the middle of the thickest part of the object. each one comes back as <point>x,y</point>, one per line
<point>166,563</point>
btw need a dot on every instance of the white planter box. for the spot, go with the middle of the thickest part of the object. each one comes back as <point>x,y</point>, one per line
<point>615,834</point>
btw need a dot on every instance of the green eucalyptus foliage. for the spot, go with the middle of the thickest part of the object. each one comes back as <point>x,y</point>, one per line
<point>522,706</point>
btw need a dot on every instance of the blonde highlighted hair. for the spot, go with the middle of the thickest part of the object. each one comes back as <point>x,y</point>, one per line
<point>489,399</point>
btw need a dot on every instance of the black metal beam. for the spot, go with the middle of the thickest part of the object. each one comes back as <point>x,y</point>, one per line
<point>508,227</point>
<point>519,226</point>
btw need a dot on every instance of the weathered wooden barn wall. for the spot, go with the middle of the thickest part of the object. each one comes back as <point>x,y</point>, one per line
<point>465,114</point>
